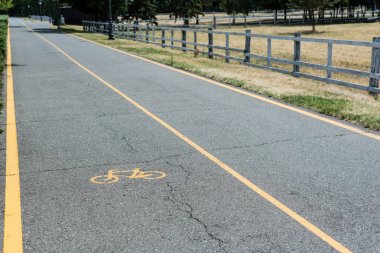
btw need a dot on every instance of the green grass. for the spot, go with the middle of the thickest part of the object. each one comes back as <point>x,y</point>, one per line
<point>328,106</point>
<point>3,46</point>
<point>335,101</point>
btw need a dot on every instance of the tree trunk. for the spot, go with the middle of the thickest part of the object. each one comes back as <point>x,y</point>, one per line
<point>285,10</point>
<point>186,22</point>
<point>373,8</point>
<point>313,19</point>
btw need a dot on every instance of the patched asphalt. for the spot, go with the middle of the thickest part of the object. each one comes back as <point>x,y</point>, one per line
<point>71,127</point>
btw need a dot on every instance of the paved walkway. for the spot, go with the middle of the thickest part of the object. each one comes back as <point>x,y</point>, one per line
<point>219,171</point>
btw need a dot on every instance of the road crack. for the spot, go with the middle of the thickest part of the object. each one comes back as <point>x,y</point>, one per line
<point>189,210</point>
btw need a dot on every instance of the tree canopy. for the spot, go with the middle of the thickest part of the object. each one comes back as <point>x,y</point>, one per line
<point>6,4</point>
<point>148,9</point>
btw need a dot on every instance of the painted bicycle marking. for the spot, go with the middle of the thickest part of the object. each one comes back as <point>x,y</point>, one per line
<point>114,175</point>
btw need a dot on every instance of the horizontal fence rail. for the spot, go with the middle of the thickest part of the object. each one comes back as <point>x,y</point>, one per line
<point>41,18</point>
<point>164,36</point>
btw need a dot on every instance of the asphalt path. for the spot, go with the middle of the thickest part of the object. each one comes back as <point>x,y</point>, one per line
<point>74,123</point>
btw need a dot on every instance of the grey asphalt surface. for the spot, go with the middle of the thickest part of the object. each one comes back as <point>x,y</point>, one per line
<point>71,128</point>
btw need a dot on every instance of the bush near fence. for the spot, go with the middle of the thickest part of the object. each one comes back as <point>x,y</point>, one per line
<point>3,49</point>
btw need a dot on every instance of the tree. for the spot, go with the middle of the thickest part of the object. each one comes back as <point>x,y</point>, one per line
<point>6,4</point>
<point>233,7</point>
<point>311,6</point>
<point>142,9</point>
<point>245,6</point>
<point>99,8</point>
<point>275,5</point>
<point>186,9</point>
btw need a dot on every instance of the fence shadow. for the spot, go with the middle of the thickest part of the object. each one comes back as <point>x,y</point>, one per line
<point>302,33</point>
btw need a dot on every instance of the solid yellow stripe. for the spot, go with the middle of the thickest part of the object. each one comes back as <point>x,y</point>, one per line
<point>247,93</point>
<point>318,232</point>
<point>12,212</point>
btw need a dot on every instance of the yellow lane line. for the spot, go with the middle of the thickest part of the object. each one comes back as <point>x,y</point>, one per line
<point>12,211</point>
<point>315,230</point>
<point>247,93</point>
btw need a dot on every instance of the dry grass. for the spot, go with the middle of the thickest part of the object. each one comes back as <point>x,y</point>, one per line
<point>344,103</point>
<point>352,57</point>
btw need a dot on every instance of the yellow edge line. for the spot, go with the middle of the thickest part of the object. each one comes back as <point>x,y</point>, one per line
<point>318,232</point>
<point>247,93</point>
<point>12,211</point>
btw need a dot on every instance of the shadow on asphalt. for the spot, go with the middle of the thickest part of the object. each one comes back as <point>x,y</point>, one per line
<point>16,65</point>
<point>44,30</point>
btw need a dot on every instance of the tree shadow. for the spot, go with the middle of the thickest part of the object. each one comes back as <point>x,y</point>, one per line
<point>302,33</point>
<point>44,30</point>
<point>16,65</point>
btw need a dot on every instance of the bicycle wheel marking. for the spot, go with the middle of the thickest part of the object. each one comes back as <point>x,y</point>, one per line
<point>114,175</point>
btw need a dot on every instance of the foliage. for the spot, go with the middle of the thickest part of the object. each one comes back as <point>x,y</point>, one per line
<point>186,8</point>
<point>233,7</point>
<point>141,9</point>
<point>3,40</point>
<point>6,4</point>
<point>3,48</point>
<point>99,8</point>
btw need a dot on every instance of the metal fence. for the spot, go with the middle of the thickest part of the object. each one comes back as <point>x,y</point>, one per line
<point>290,18</point>
<point>245,55</point>
<point>41,18</point>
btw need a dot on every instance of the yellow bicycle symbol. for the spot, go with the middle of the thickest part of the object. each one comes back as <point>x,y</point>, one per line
<point>113,176</point>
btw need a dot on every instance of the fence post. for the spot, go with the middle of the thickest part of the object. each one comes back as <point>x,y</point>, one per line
<point>329,58</point>
<point>147,33</point>
<point>163,41</point>
<point>210,43</point>
<point>172,39</point>
<point>227,47</point>
<point>375,66</point>
<point>183,40</point>
<point>297,53</point>
<point>269,52</point>
<point>247,50</point>
<point>154,34</point>
<point>214,22</point>
<point>195,40</point>
<point>134,31</point>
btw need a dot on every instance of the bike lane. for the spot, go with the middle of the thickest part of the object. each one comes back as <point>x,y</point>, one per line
<point>72,128</point>
<point>319,170</point>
